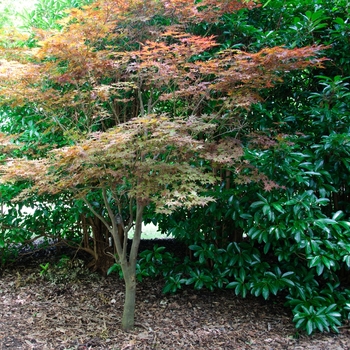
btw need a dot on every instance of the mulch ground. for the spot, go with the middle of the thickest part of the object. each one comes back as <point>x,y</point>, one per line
<point>85,313</point>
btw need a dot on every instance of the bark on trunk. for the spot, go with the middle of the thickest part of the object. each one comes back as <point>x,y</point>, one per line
<point>129,271</point>
<point>128,320</point>
<point>128,263</point>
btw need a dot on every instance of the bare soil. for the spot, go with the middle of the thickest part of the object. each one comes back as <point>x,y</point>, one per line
<point>85,313</point>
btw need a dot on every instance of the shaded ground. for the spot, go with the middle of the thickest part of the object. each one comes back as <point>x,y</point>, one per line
<point>84,312</point>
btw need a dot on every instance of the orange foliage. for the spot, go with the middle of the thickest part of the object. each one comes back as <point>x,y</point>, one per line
<point>109,58</point>
<point>205,10</point>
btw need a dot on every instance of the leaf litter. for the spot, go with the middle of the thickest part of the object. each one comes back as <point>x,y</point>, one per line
<point>85,313</point>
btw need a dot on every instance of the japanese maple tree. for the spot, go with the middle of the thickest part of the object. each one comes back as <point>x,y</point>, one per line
<point>147,160</point>
<point>132,76</point>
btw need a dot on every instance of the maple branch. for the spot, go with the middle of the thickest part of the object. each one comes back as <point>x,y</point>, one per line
<point>198,104</point>
<point>115,113</point>
<point>137,234</point>
<point>54,116</point>
<point>103,220</point>
<point>121,252</point>
<point>83,105</point>
<point>128,227</point>
<point>131,219</point>
<point>151,103</point>
<point>139,95</point>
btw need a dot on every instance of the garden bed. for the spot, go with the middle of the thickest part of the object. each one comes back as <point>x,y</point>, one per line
<point>84,312</point>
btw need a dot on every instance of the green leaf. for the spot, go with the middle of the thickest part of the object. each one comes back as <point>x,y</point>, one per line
<point>263,199</point>
<point>315,248</point>
<point>244,291</point>
<point>326,262</point>
<point>199,284</point>
<point>168,288</point>
<point>312,173</point>
<point>278,207</point>
<point>270,274</point>
<point>323,222</point>
<point>245,216</point>
<point>288,273</point>
<point>288,282</point>
<point>267,247</point>
<point>319,269</point>
<point>190,281</point>
<point>346,259</point>
<point>320,323</point>
<point>195,247</point>
<point>232,285</point>
<point>300,320</point>
<point>239,289</point>
<point>256,291</point>
<point>254,233</point>
<point>316,260</point>
<point>309,327</point>
<point>266,209</point>
<point>113,268</point>
<point>265,292</point>
<point>274,289</point>
<point>291,202</point>
<point>322,201</point>
<point>242,274</point>
<point>339,214</point>
<point>257,204</point>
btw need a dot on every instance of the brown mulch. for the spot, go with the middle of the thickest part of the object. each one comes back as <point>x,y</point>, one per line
<point>36,313</point>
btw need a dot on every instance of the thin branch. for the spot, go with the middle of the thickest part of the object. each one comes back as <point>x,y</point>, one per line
<point>137,234</point>
<point>114,230</point>
<point>103,220</point>
<point>139,95</point>
<point>115,113</point>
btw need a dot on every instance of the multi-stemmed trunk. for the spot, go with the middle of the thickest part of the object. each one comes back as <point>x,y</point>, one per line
<point>126,261</point>
<point>128,265</point>
<point>128,319</point>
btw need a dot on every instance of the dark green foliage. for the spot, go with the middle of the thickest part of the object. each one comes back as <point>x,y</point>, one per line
<point>152,263</point>
<point>47,12</point>
<point>291,235</point>
<point>48,217</point>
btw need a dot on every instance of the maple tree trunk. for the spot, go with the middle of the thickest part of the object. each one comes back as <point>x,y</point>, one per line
<point>128,266</point>
<point>128,320</point>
